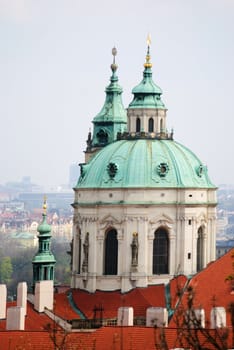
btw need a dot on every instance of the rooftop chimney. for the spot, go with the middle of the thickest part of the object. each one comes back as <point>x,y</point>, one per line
<point>15,318</point>
<point>156,316</point>
<point>125,316</point>
<point>44,295</point>
<point>218,317</point>
<point>3,297</point>
<point>22,296</point>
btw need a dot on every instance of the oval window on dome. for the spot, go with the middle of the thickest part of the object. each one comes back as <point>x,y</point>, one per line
<point>112,169</point>
<point>201,169</point>
<point>162,169</point>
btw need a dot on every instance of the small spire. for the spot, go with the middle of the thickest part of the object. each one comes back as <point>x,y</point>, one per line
<point>147,63</point>
<point>114,65</point>
<point>44,205</point>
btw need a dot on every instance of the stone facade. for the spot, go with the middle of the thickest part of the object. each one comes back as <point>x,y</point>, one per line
<point>187,216</point>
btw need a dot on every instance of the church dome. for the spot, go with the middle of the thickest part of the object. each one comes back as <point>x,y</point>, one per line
<point>148,163</point>
<point>144,208</point>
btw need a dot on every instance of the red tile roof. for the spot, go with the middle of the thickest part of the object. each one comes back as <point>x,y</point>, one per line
<point>62,307</point>
<point>21,340</point>
<point>33,319</point>
<point>105,338</point>
<point>177,284</point>
<point>211,287</point>
<point>139,298</point>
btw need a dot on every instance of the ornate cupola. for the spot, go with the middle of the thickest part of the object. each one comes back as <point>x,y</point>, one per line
<point>147,112</point>
<point>44,260</point>
<point>144,206</point>
<point>111,120</point>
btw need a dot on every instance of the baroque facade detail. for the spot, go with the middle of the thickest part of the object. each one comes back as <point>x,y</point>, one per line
<point>145,208</point>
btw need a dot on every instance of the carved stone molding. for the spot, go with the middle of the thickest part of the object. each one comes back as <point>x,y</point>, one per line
<point>162,219</point>
<point>131,218</point>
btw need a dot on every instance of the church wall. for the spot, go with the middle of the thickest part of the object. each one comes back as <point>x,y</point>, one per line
<point>147,195</point>
<point>122,212</point>
<point>144,115</point>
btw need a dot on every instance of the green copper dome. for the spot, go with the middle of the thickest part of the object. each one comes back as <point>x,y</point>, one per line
<point>150,163</point>
<point>44,227</point>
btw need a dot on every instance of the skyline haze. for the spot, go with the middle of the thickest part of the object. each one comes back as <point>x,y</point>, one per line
<point>55,64</point>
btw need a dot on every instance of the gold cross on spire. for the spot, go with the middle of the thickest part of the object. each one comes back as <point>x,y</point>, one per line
<point>148,64</point>
<point>148,40</point>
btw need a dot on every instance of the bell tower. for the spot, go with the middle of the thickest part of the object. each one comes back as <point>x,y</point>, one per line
<point>112,118</point>
<point>44,260</point>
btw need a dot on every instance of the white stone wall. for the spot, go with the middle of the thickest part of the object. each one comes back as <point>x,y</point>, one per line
<point>180,211</point>
<point>158,115</point>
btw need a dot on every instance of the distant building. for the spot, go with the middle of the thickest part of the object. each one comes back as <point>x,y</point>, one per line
<point>223,246</point>
<point>56,200</point>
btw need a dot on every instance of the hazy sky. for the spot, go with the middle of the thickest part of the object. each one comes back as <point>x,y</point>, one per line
<point>55,58</point>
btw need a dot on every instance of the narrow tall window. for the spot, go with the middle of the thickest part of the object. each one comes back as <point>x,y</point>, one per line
<point>161,125</point>
<point>138,125</point>
<point>111,253</point>
<point>151,125</point>
<point>102,137</point>
<point>200,249</point>
<point>160,252</point>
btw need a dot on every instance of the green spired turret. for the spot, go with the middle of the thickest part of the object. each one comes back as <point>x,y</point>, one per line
<point>147,112</point>
<point>44,261</point>
<point>112,119</point>
<point>147,94</point>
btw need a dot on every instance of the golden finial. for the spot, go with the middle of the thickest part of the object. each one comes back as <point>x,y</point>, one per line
<point>148,40</point>
<point>44,205</point>
<point>148,64</point>
<point>135,234</point>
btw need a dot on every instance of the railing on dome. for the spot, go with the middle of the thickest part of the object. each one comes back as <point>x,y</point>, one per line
<point>163,135</point>
<point>98,323</point>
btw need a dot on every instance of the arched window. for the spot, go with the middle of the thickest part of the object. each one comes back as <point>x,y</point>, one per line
<point>111,253</point>
<point>138,125</point>
<point>102,137</point>
<point>200,249</point>
<point>151,125</point>
<point>160,252</point>
<point>45,277</point>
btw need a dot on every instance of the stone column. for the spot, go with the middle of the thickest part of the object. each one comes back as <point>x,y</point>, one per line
<point>100,250</point>
<point>194,248</point>
<point>204,259</point>
<point>172,252</point>
<point>180,246</point>
<point>150,252</point>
